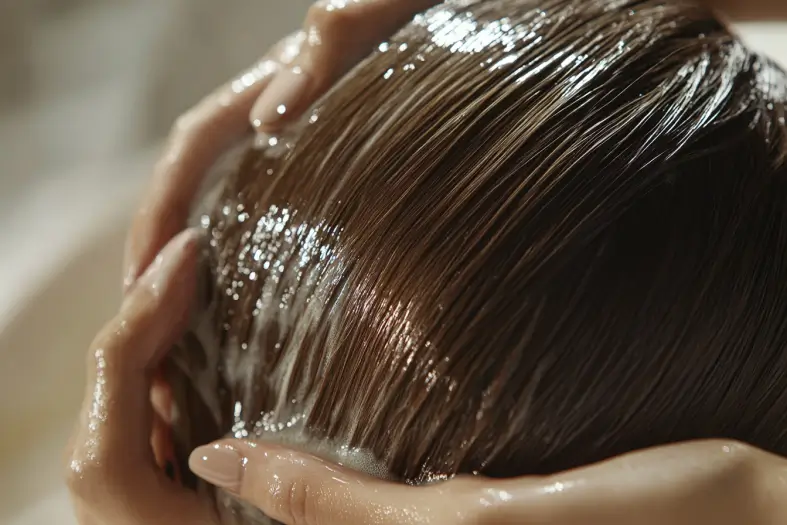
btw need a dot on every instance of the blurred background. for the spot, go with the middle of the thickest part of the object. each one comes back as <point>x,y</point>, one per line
<point>88,91</point>
<point>89,88</point>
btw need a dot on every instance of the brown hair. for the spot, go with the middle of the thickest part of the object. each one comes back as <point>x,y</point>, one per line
<point>521,237</point>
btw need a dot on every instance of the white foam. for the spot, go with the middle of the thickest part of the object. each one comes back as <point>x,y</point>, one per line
<point>236,363</point>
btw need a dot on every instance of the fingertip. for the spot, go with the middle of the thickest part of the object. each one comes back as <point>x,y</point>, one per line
<point>220,464</point>
<point>283,100</point>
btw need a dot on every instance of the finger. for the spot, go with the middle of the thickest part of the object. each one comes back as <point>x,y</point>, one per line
<point>112,443</point>
<point>699,482</point>
<point>297,489</point>
<point>196,142</point>
<point>161,397</point>
<point>163,447</point>
<point>340,34</point>
<point>161,439</point>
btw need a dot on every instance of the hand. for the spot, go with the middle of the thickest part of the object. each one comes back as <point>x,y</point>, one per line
<point>337,34</point>
<point>114,479</point>
<point>718,482</point>
<point>112,474</point>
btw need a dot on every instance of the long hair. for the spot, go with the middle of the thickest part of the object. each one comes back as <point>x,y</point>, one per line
<point>522,236</point>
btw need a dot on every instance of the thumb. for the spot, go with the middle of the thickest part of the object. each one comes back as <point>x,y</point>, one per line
<point>299,489</point>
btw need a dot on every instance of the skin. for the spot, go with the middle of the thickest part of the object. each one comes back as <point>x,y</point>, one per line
<point>322,51</point>
<point>113,472</point>
<point>111,469</point>
<point>114,479</point>
<point>719,482</point>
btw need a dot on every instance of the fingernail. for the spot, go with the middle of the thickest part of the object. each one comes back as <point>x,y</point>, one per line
<point>281,99</point>
<point>160,272</point>
<point>220,465</point>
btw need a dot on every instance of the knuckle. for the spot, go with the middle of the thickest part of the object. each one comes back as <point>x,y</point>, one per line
<point>330,35</point>
<point>735,457</point>
<point>116,341</point>
<point>180,124</point>
<point>141,305</point>
<point>184,123</point>
<point>79,479</point>
<point>287,50</point>
<point>195,120</point>
<point>328,20</point>
<point>479,503</point>
<point>728,467</point>
<point>735,477</point>
<point>88,481</point>
<point>298,503</point>
<point>107,339</point>
<point>290,498</point>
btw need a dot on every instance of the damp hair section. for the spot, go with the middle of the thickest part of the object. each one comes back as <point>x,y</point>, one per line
<point>522,236</point>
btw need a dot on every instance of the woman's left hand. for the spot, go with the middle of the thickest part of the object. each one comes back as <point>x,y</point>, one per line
<point>112,473</point>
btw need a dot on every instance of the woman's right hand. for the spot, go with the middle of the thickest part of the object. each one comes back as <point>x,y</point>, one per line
<point>704,482</point>
<point>336,35</point>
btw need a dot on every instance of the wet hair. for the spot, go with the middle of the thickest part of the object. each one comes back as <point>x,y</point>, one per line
<point>522,236</point>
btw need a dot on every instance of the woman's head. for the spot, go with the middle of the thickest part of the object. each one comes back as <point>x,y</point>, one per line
<point>522,236</point>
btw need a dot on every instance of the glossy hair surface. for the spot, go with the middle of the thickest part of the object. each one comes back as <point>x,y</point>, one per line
<point>521,237</point>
